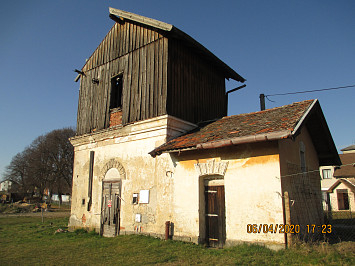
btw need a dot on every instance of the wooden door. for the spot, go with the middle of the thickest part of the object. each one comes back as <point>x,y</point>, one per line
<point>343,199</point>
<point>110,216</point>
<point>215,216</point>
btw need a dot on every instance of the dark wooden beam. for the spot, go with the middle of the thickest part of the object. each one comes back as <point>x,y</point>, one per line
<point>116,19</point>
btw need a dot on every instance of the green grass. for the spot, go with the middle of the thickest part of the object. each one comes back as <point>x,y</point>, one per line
<point>26,241</point>
<point>341,215</point>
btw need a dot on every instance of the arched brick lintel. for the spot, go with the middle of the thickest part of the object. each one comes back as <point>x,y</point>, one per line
<point>113,163</point>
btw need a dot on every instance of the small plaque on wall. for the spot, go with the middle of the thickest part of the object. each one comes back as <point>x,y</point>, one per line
<point>144,196</point>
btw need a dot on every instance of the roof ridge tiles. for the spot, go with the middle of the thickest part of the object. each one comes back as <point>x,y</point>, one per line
<point>276,123</point>
<point>269,110</point>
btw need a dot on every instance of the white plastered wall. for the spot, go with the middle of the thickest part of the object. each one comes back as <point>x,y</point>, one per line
<point>127,148</point>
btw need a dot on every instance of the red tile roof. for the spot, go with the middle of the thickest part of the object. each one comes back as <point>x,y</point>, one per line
<point>269,124</point>
<point>347,169</point>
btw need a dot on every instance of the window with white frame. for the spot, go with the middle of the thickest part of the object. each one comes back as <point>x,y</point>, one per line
<point>326,173</point>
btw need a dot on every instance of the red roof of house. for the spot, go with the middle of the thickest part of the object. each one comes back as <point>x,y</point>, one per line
<point>348,166</point>
<point>278,122</point>
<point>271,124</point>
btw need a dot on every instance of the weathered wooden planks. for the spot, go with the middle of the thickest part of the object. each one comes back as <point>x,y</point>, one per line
<point>197,90</point>
<point>120,40</point>
<point>160,76</point>
<point>133,50</point>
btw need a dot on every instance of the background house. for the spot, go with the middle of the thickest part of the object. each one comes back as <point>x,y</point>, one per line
<point>341,192</point>
<point>5,185</point>
<point>327,180</point>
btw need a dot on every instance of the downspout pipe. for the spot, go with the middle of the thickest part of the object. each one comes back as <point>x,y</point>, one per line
<point>235,89</point>
<point>238,88</point>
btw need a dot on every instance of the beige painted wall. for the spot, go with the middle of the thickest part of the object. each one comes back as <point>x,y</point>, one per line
<point>334,198</point>
<point>304,189</point>
<point>176,188</point>
<point>252,187</point>
<point>252,191</point>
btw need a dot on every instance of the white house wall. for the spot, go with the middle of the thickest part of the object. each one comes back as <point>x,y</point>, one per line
<point>127,148</point>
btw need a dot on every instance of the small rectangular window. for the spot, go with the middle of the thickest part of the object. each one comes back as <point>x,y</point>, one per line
<point>135,198</point>
<point>116,92</point>
<point>326,173</point>
<point>303,162</point>
<point>303,157</point>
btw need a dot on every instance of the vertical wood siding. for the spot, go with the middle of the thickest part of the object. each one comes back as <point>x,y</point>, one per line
<point>160,76</point>
<point>120,40</point>
<point>196,87</point>
<point>139,53</point>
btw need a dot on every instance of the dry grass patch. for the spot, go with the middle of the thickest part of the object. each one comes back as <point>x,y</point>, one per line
<point>26,241</point>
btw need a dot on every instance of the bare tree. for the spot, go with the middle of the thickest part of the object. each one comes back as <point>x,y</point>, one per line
<point>61,155</point>
<point>39,171</point>
<point>46,164</point>
<point>17,172</point>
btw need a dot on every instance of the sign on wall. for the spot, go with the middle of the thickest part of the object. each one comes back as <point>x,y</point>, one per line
<point>144,196</point>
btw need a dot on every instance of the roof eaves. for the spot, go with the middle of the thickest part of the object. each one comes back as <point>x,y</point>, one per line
<point>345,182</point>
<point>349,148</point>
<point>246,139</point>
<point>141,19</point>
<point>229,142</point>
<point>231,73</point>
<point>179,34</point>
<point>302,119</point>
<point>154,152</point>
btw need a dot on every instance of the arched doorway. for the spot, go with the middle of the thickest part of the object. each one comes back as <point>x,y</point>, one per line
<point>111,203</point>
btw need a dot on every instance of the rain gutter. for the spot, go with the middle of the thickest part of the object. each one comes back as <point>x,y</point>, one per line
<point>246,139</point>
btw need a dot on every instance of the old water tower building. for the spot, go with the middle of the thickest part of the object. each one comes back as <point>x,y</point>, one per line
<point>154,144</point>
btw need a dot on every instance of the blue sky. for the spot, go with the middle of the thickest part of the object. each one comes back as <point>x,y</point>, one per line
<point>278,46</point>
